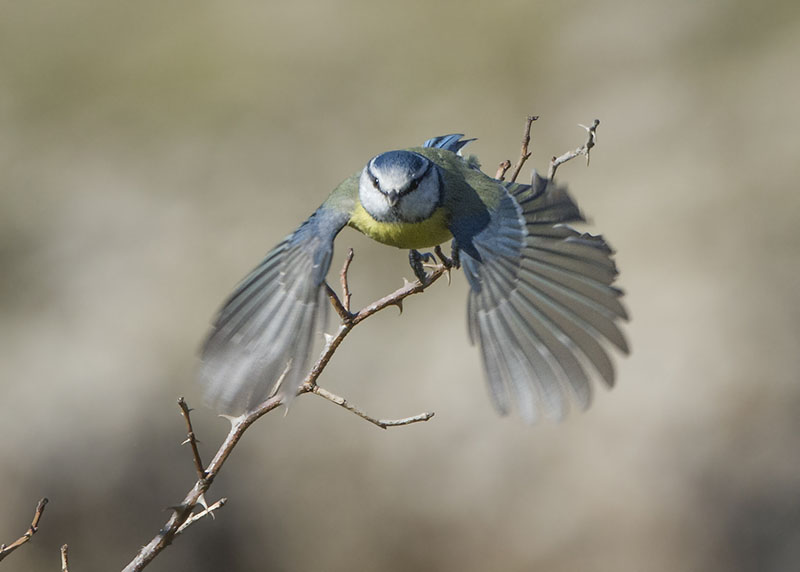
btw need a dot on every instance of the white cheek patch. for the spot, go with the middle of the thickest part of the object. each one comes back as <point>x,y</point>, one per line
<point>373,201</point>
<point>420,203</point>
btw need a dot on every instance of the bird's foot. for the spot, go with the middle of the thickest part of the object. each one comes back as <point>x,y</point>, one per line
<point>415,259</point>
<point>453,261</point>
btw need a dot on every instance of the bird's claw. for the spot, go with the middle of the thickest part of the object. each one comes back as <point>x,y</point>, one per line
<point>416,259</point>
<point>452,261</point>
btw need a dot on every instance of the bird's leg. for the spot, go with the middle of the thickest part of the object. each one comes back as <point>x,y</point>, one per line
<point>454,261</point>
<point>455,254</point>
<point>415,259</point>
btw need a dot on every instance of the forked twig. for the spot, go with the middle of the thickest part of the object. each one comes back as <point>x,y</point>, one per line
<point>198,515</point>
<point>584,149</point>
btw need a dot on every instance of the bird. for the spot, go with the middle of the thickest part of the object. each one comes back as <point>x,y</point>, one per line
<point>542,306</point>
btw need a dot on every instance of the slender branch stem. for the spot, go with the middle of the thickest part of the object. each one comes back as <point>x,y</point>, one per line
<point>343,277</point>
<point>337,303</point>
<point>5,550</point>
<point>382,423</point>
<point>584,149</point>
<point>524,154</point>
<point>191,439</point>
<point>342,306</point>
<point>64,558</point>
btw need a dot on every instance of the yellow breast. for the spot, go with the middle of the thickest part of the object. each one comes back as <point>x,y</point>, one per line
<point>424,234</point>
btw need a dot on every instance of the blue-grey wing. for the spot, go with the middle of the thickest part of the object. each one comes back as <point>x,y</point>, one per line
<point>541,300</point>
<point>261,339</point>
<point>451,142</point>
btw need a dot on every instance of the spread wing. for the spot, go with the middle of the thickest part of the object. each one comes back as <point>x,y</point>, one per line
<point>541,300</point>
<point>264,333</point>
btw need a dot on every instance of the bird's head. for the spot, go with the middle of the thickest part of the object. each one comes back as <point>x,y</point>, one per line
<point>400,186</point>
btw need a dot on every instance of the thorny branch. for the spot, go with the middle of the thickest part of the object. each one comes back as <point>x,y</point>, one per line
<point>584,149</point>
<point>382,423</point>
<point>191,439</point>
<point>184,515</point>
<point>198,515</point>
<point>5,550</point>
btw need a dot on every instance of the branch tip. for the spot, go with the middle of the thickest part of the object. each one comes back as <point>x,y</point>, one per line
<point>382,423</point>
<point>524,154</point>
<point>584,149</point>
<point>345,286</point>
<point>64,558</point>
<point>501,170</point>
<point>191,439</point>
<point>6,549</point>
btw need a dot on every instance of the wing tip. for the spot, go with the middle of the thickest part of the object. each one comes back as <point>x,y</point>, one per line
<point>452,142</point>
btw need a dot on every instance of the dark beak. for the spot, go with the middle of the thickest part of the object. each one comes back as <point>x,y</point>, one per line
<point>392,197</point>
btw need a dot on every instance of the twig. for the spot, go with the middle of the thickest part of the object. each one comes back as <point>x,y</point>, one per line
<point>5,550</point>
<point>64,559</point>
<point>342,308</point>
<point>524,155</point>
<point>184,512</point>
<point>382,423</point>
<point>500,175</point>
<point>343,276</point>
<point>191,439</point>
<point>337,303</point>
<point>582,150</point>
<point>198,515</point>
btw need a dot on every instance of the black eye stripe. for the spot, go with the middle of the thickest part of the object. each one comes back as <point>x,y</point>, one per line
<point>415,183</point>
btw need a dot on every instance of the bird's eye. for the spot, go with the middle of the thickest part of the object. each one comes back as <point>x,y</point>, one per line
<point>375,183</point>
<point>414,184</point>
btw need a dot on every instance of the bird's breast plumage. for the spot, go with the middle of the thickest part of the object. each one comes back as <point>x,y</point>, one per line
<point>424,234</point>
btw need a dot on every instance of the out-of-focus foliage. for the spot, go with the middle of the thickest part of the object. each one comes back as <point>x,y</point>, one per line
<point>151,152</point>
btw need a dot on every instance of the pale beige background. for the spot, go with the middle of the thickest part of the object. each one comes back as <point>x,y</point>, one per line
<point>151,152</point>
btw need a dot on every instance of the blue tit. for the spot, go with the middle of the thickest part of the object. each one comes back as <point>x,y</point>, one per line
<point>541,306</point>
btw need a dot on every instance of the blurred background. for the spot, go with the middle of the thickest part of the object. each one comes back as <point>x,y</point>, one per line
<point>152,152</point>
